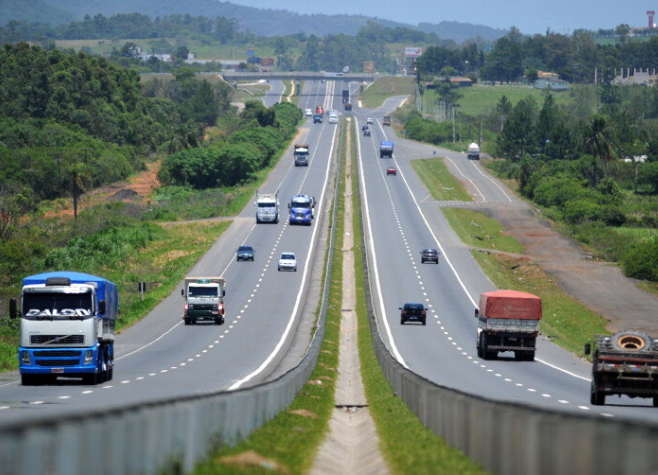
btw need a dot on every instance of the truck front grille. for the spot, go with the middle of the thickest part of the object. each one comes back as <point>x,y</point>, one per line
<point>56,339</point>
<point>50,363</point>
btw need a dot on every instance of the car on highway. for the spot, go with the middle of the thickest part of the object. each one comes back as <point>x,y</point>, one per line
<point>413,312</point>
<point>308,113</point>
<point>245,253</point>
<point>429,255</point>
<point>287,261</point>
<point>369,121</point>
<point>391,171</point>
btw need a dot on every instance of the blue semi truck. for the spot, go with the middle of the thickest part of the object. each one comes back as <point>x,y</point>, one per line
<point>301,209</point>
<point>67,324</point>
<point>386,149</point>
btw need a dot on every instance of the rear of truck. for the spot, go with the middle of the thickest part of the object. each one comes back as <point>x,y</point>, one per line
<point>386,149</point>
<point>508,320</point>
<point>625,363</point>
<point>301,154</point>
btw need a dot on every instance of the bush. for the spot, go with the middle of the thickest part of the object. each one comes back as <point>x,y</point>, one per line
<point>641,261</point>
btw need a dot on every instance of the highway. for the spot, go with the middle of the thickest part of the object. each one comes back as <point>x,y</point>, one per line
<point>159,357</point>
<point>401,219</point>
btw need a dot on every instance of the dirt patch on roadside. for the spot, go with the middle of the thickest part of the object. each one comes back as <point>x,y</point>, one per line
<point>137,189</point>
<point>601,286</point>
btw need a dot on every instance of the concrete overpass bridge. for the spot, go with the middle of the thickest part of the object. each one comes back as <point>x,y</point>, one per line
<point>298,76</point>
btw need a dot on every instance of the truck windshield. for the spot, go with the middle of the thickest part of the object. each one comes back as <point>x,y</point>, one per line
<point>202,292</point>
<point>266,205</point>
<point>301,204</point>
<point>55,305</point>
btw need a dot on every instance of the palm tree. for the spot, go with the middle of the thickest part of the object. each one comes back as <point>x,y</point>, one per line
<point>76,178</point>
<point>600,141</point>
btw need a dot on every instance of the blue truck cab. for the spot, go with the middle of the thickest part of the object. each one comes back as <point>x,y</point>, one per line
<point>301,209</point>
<point>386,149</point>
<point>67,322</point>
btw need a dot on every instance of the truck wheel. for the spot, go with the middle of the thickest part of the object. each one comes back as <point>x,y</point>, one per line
<point>29,379</point>
<point>597,398</point>
<point>187,321</point>
<point>90,378</point>
<point>424,321</point>
<point>402,321</point>
<point>219,321</point>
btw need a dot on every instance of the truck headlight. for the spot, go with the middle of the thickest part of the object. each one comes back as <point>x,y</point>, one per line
<point>88,356</point>
<point>25,358</point>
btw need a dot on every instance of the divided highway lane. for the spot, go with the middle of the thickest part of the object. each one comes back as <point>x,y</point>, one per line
<point>401,220</point>
<point>160,357</point>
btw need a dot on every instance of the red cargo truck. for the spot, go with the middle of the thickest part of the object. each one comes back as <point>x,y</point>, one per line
<point>508,320</point>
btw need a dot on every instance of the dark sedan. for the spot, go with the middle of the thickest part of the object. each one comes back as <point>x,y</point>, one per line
<point>413,312</point>
<point>429,255</point>
<point>245,253</point>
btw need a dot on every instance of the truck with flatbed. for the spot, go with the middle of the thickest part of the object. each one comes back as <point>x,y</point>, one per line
<point>267,208</point>
<point>204,300</point>
<point>346,96</point>
<point>386,149</point>
<point>625,363</point>
<point>301,154</point>
<point>508,320</point>
<point>317,119</point>
<point>67,322</point>
<point>386,120</point>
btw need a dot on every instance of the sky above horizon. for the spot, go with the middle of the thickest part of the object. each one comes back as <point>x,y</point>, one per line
<point>529,16</point>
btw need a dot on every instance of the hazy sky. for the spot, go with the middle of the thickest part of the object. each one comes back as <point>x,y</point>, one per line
<point>530,16</point>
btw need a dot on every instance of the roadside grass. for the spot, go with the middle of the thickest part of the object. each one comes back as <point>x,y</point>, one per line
<point>408,446</point>
<point>478,230</point>
<point>442,184</point>
<point>289,442</point>
<point>385,87</point>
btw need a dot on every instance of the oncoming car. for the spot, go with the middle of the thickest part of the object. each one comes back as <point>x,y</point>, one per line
<point>245,253</point>
<point>429,255</point>
<point>413,312</point>
<point>391,171</point>
<point>287,261</point>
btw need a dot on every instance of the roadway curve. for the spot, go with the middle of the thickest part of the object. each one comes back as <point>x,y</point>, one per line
<point>400,219</point>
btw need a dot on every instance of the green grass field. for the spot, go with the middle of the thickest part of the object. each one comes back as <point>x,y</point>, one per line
<point>479,100</point>
<point>439,181</point>
<point>385,87</point>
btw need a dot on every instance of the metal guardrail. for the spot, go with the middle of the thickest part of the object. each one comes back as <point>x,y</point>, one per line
<point>167,436</point>
<point>514,438</point>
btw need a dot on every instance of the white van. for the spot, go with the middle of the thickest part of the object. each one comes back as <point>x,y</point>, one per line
<point>333,117</point>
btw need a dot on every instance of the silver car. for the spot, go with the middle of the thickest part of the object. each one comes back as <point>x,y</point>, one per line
<point>288,261</point>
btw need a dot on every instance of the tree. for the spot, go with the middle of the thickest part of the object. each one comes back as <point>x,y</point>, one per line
<point>77,178</point>
<point>599,140</point>
<point>648,174</point>
<point>15,202</point>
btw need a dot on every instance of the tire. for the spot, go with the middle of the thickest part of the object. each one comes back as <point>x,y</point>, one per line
<point>279,269</point>
<point>219,321</point>
<point>596,398</point>
<point>424,321</point>
<point>631,340</point>
<point>91,378</point>
<point>478,347</point>
<point>655,401</point>
<point>187,321</point>
<point>29,379</point>
<point>402,321</point>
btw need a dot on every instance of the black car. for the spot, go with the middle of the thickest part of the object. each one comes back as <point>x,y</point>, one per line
<point>429,255</point>
<point>414,312</point>
<point>245,253</point>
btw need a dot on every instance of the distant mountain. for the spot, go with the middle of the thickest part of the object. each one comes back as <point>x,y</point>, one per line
<point>33,11</point>
<point>269,22</point>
